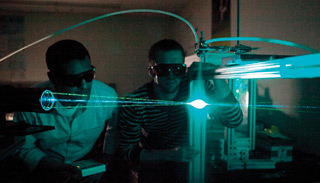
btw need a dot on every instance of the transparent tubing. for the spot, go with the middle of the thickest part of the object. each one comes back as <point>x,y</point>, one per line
<point>275,41</point>
<point>101,17</point>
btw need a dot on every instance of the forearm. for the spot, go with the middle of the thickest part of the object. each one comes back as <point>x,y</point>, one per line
<point>129,138</point>
<point>221,89</point>
<point>57,171</point>
<point>228,111</point>
<point>30,153</point>
<point>111,141</point>
<point>48,163</point>
<point>137,154</point>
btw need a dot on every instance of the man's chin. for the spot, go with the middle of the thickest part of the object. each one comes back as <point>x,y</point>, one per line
<point>171,89</point>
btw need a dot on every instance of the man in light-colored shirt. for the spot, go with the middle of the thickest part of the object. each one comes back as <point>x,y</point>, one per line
<point>79,116</point>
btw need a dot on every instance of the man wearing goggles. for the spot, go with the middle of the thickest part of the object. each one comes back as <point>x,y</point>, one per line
<point>78,127</point>
<point>156,137</point>
<point>76,80</point>
<point>165,69</point>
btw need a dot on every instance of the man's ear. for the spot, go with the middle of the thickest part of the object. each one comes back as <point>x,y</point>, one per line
<point>51,77</point>
<point>151,72</point>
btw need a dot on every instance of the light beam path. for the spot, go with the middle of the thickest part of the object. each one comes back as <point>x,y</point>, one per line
<point>101,17</point>
<point>105,101</point>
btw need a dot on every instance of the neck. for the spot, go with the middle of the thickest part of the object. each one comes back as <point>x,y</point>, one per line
<point>72,101</point>
<point>164,95</point>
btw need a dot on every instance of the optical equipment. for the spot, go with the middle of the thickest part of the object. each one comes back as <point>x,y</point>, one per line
<point>21,99</point>
<point>26,99</point>
<point>76,80</point>
<point>165,69</point>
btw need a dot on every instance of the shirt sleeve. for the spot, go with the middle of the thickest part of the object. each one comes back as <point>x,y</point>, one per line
<point>130,131</point>
<point>227,110</point>
<point>29,152</point>
<point>112,134</point>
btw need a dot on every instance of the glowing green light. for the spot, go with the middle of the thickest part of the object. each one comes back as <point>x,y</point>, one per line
<point>199,104</point>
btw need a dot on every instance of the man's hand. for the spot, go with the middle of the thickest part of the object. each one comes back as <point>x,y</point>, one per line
<point>58,170</point>
<point>204,71</point>
<point>92,178</point>
<point>208,71</point>
<point>179,154</point>
<point>182,154</point>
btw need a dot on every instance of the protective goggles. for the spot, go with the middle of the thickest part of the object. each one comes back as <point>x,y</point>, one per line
<point>165,69</point>
<point>76,80</point>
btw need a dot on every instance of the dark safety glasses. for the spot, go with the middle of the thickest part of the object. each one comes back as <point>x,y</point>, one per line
<point>76,80</point>
<point>165,69</point>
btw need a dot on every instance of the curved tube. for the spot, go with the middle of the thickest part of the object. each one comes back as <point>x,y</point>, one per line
<point>276,41</point>
<point>101,17</point>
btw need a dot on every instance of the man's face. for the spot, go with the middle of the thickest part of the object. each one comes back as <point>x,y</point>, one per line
<point>73,78</point>
<point>168,83</point>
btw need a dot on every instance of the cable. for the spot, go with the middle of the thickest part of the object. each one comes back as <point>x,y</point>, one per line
<point>101,17</point>
<point>276,41</point>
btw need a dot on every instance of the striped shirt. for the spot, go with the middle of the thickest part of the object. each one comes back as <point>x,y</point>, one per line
<point>164,127</point>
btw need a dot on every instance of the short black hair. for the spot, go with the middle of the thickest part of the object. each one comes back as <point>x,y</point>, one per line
<point>64,51</point>
<point>164,45</point>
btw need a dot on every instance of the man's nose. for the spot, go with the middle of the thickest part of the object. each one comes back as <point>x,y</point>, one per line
<point>171,75</point>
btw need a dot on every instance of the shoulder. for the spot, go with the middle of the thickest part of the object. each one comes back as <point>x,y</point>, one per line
<point>100,87</point>
<point>141,92</point>
<point>45,84</point>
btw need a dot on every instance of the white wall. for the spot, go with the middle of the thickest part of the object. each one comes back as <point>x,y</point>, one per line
<point>295,21</point>
<point>118,45</point>
<point>291,20</point>
<point>198,14</point>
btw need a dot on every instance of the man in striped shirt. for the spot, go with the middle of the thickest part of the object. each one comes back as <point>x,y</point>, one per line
<point>156,136</point>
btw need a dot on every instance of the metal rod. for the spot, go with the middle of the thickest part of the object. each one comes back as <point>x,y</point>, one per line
<point>238,21</point>
<point>252,112</point>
